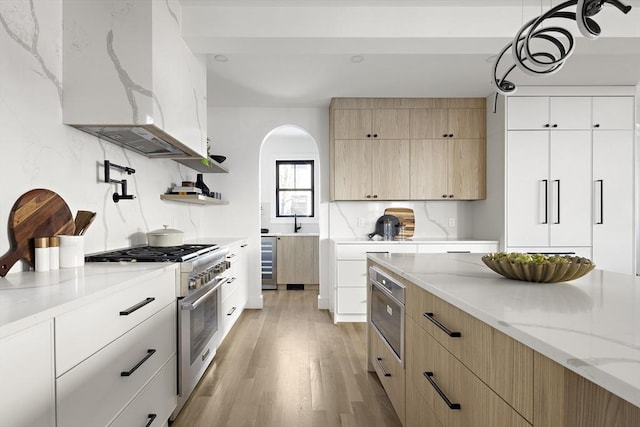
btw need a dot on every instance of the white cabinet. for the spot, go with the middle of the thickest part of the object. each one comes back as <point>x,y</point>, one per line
<point>570,177</point>
<point>95,391</point>
<point>234,291</point>
<point>108,350</point>
<point>561,112</point>
<point>548,188</point>
<point>351,269</point>
<point>27,378</point>
<point>613,200</point>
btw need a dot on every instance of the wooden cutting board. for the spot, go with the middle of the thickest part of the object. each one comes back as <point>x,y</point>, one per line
<point>37,213</point>
<point>406,218</point>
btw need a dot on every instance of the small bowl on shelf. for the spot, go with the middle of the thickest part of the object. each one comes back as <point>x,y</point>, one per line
<point>218,158</point>
<point>538,268</point>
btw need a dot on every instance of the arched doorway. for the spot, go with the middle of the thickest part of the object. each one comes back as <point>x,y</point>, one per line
<point>289,193</point>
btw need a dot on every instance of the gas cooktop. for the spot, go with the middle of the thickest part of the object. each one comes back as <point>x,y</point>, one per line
<point>152,253</point>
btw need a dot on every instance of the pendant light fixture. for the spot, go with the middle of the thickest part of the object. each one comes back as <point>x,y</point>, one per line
<point>553,44</point>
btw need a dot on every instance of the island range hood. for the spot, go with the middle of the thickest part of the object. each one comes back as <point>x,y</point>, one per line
<point>130,79</point>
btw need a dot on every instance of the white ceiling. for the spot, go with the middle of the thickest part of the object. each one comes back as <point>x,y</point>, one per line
<point>297,53</point>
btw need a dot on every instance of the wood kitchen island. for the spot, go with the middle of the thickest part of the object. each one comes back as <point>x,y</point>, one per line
<point>527,354</point>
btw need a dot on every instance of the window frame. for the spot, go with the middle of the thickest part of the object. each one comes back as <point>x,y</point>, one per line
<point>309,162</point>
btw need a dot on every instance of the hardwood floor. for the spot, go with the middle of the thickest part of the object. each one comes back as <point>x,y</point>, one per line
<point>288,365</point>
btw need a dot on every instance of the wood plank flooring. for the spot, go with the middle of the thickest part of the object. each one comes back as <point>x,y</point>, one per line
<point>288,365</point>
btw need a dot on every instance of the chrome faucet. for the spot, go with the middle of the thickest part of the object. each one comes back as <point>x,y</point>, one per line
<point>296,227</point>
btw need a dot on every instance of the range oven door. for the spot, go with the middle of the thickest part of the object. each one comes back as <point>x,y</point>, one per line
<point>198,335</point>
<point>387,317</point>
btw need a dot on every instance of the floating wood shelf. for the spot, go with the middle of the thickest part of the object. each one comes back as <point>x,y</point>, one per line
<point>196,164</point>
<point>197,199</point>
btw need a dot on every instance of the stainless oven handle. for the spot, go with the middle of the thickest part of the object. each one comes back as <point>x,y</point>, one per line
<point>191,303</point>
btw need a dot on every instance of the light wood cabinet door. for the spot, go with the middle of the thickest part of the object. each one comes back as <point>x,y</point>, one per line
<point>429,123</point>
<point>438,374</point>
<point>27,388</point>
<point>352,170</point>
<point>297,259</point>
<point>467,123</point>
<point>390,123</point>
<point>566,399</point>
<point>429,169</point>
<point>390,170</point>
<point>466,175</point>
<point>352,124</point>
<point>389,369</point>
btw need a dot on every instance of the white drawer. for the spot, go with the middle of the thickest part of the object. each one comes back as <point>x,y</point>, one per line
<point>82,332</point>
<point>352,300</point>
<point>94,392</point>
<point>155,402</point>
<point>360,251</point>
<point>229,287</point>
<point>351,273</point>
<point>231,309</point>
<point>457,247</point>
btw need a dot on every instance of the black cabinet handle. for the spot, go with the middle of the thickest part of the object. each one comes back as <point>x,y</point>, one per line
<point>375,135</point>
<point>368,196</point>
<point>444,397</point>
<point>597,125</point>
<point>546,201</point>
<point>601,219</point>
<point>375,196</point>
<point>138,306</point>
<point>128,373</point>
<point>384,371</point>
<point>451,196</point>
<point>557,221</point>
<point>152,418</point>
<point>546,125</point>
<point>441,326</point>
<point>244,246</point>
<point>555,125</point>
<point>450,135</point>
<point>445,135</point>
<point>444,196</point>
<point>368,135</point>
<point>231,311</point>
<point>233,279</point>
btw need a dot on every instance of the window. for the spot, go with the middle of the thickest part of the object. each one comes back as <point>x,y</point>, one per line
<point>294,188</point>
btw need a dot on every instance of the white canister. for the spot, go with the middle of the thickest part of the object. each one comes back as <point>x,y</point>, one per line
<point>54,253</point>
<point>41,245</point>
<point>71,251</point>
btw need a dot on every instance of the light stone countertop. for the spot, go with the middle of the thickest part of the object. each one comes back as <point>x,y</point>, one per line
<point>28,298</point>
<point>590,325</point>
<point>417,240</point>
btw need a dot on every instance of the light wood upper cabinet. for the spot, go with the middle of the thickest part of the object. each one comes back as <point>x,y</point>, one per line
<point>371,170</point>
<point>387,123</point>
<point>428,123</point>
<point>448,169</point>
<point>399,164</point>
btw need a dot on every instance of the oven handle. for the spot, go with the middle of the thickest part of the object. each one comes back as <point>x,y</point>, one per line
<point>191,303</point>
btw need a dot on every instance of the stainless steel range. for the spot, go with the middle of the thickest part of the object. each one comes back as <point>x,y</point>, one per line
<point>202,270</point>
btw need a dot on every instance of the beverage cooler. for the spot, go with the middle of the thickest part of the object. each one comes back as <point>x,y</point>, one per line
<point>268,262</point>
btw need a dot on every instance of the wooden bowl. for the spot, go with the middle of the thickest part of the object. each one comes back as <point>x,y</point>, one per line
<point>546,272</point>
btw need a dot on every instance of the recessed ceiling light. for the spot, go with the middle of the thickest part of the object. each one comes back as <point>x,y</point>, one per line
<point>357,58</point>
<point>221,58</point>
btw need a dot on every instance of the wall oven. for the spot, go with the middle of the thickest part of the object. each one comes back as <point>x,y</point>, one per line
<point>387,310</point>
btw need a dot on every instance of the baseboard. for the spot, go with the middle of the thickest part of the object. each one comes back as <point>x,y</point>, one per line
<point>323,303</point>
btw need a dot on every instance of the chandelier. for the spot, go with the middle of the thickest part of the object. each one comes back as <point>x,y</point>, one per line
<point>558,41</point>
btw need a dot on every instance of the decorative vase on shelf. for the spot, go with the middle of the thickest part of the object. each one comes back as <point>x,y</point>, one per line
<point>201,185</point>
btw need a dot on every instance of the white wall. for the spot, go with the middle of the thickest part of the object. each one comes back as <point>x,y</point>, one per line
<point>38,151</point>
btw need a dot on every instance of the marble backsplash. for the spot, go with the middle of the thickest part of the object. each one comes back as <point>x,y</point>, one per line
<point>433,219</point>
<point>38,151</point>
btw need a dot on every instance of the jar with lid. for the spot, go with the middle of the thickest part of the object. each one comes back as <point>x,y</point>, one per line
<point>42,256</point>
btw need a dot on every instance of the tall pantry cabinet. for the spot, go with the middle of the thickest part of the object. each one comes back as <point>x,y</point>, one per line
<point>570,177</point>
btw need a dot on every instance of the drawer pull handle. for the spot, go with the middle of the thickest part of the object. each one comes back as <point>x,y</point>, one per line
<point>441,326</point>
<point>144,359</point>
<point>231,311</point>
<point>384,371</point>
<point>233,279</point>
<point>152,418</point>
<point>138,306</point>
<point>444,397</point>
<point>244,246</point>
